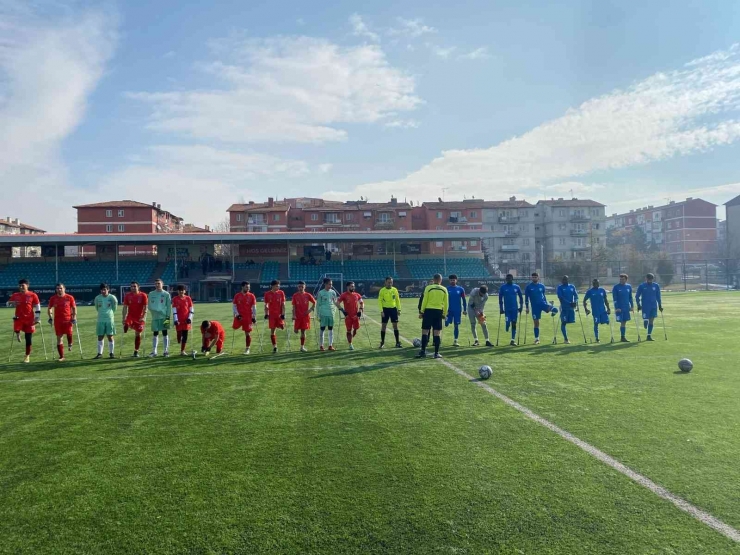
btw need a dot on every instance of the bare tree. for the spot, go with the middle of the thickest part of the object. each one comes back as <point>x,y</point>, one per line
<point>222,249</point>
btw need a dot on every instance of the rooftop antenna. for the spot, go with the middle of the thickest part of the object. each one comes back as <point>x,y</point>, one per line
<point>443,193</point>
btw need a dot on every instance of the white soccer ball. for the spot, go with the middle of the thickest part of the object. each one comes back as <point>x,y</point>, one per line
<point>485,372</point>
<point>417,343</point>
<point>685,365</point>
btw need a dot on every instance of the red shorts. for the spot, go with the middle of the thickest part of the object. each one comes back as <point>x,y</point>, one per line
<point>25,326</point>
<point>352,322</point>
<point>219,343</point>
<point>182,326</point>
<point>302,323</point>
<point>136,325</point>
<point>243,324</point>
<point>62,328</point>
<point>276,323</point>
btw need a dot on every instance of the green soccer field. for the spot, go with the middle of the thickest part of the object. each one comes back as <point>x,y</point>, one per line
<point>374,451</point>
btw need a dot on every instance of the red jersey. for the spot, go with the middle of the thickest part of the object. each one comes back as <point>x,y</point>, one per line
<point>24,303</point>
<point>351,302</point>
<point>136,303</point>
<point>301,302</point>
<point>245,303</point>
<point>275,301</point>
<point>214,330</point>
<point>62,307</point>
<point>182,307</point>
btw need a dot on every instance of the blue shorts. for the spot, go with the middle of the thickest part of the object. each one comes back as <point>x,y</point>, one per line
<point>602,318</point>
<point>453,317</point>
<point>648,313</point>
<point>537,311</point>
<point>623,316</point>
<point>567,314</point>
<point>511,316</point>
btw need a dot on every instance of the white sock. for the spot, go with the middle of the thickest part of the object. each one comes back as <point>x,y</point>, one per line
<point>166,343</point>
<point>331,337</point>
<point>111,346</point>
<point>321,338</point>
<point>155,343</point>
<point>100,346</point>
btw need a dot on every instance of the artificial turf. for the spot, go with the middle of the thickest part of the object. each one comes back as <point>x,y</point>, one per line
<point>374,451</point>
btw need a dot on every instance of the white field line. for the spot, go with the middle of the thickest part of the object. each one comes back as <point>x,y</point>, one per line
<point>700,515</point>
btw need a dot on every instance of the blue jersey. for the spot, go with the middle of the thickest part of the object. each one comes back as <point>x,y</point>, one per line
<point>597,296</point>
<point>622,296</point>
<point>456,296</point>
<point>535,293</point>
<point>649,294</point>
<point>507,297</point>
<point>567,294</point>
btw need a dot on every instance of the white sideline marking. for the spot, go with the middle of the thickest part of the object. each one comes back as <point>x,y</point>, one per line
<point>700,515</point>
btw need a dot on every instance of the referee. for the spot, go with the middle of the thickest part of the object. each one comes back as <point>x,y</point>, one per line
<point>390,309</point>
<point>432,311</point>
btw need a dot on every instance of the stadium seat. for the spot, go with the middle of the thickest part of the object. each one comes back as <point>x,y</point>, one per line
<point>351,270</point>
<point>76,273</point>
<point>465,268</point>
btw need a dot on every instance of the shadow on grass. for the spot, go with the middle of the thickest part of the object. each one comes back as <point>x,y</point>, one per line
<point>362,369</point>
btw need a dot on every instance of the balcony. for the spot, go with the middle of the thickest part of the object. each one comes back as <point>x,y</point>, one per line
<point>580,247</point>
<point>578,232</point>
<point>509,248</point>
<point>579,217</point>
<point>511,233</point>
<point>508,219</point>
<point>385,224</point>
<point>457,220</point>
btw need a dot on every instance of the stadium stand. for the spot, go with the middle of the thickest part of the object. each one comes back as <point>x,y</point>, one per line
<point>270,271</point>
<point>76,273</point>
<point>351,269</point>
<point>464,267</point>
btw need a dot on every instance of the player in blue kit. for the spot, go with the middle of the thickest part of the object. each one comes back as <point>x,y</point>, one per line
<point>599,306</point>
<point>649,302</point>
<point>534,294</point>
<point>623,305</point>
<point>510,304</point>
<point>568,297</point>
<point>457,308</point>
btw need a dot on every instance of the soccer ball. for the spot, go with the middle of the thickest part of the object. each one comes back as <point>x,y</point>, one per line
<point>485,372</point>
<point>417,343</point>
<point>554,310</point>
<point>685,365</point>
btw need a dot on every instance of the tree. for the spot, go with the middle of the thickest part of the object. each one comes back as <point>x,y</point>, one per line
<point>665,269</point>
<point>222,249</point>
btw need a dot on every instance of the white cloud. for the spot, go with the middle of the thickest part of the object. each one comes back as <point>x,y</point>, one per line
<point>48,68</point>
<point>676,113</point>
<point>360,28</point>
<point>285,89</point>
<point>440,51</point>
<point>403,124</point>
<point>575,186</point>
<point>412,28</point>
<point>325,168</point>
<point>477,54</point>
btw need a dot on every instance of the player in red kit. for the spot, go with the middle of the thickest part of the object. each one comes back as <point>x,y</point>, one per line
<point>27,314</point>
<point>183,311</point>
<point>275,311</point>
<point>213,334</point>
<point>134,314</point>
<point>245,313</point>
<point>302,312</point>
<point>62,313</point>
<point>353,307</point>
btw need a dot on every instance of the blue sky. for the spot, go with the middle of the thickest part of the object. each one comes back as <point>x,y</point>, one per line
<point>197,106</point>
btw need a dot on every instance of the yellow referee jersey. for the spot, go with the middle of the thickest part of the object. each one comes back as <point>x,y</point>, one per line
<point>389,298</point>
<point>435,297</point>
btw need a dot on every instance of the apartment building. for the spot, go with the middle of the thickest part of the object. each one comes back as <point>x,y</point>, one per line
<point>452,216</point>
<point>13,226</point>
<point>732,227</point>
<point>568,229</point>
<point>515,219</point>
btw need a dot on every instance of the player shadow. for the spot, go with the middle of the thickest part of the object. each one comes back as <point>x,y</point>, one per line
<point>358,370</point>
<point>563,350</point>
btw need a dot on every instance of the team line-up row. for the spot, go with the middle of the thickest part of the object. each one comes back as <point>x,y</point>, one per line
<point>437,306</point>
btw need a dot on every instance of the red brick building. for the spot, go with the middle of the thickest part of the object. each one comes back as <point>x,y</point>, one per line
<point>452,216</point>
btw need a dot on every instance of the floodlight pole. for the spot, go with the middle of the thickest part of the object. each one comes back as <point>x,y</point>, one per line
<point>56,261</point>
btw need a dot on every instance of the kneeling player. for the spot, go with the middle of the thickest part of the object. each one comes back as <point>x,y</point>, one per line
<point>476,314</point>
<point>303,305</point>
<point>599,306</point>
<point>353,307</point>
<point>183,311</point>
<point>213,334</point>
<point>27,314</point>
<point>245,313</point>
<point>568,297</point>
<point>134,314</point>
<point>63,314</point>
<point>275,311</point>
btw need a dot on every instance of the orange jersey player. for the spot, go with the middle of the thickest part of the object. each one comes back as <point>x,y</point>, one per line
<point>303,305</point>
<point>62,313</point>
<point>135,305</point>
<point>245,313</point>
<point>275,311</point>
<point>183,311</point>
<point>353,307</point>
<point>27,314</point>
<point>213,334</point>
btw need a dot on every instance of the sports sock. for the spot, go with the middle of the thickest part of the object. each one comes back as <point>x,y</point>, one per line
<point>60,350</point>
<point>321,338</point>
<point>69,340</point>
<point>565,333</point>
<point>437,341</point>
<point>349,337</point>
<point>249,341</point>
<point>623,330</point>
<point>382,337</point>
<point>424,341</point>
<point>331,337</point>
<point>395,334</point>
<point>100,346</point>
<point>645,324</point>
<point>513,330</point>
<point>112,346</point>
<point>303,340</point>
<point>508,325</point>
<point>650,329</point>
<point>155,343</point>
<point>166,343</point>
<point>137,342</point>
<point>273,339</point>
<point>28,350</point>
<point>456,332</point>
<point>184,339</point>
<point>596,331</point>
<point>536,333</point>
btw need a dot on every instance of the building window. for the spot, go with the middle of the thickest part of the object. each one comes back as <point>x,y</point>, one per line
<point>121,227</point>
<point>348,217</point>
<point>439,227</point>
<point>562,213</point>
<point>561,227</point>
<point>473,214</point>
<point>439,215</point>
<point>562,241</point>
<point>402,228</point>
<point>473,243</point>
<point>438,243</point>
<point>276,217</point>
<point>526,242</point>
<point>238,217</point>
<point>596,226</point>
<point>384,217</point>
<point>109,213</point>
<point>120,213</point>
<point>525,213</point>
<point>314,216</point>
<point>109,228</point>
<point>455,227</point>
<point>525,256</point>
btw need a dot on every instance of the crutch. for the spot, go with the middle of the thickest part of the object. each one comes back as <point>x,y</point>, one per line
<point>43,341</point>
<point>554,330</point>
<point>12,340</point>
<point>468,333</point>
<point>611,328</point>
<point>259,335</point>
<point>233,336</point>
<point>287,337</point>
<point>123,340</point>
<point>367,331</point>
<point>637,326</point>
<point>79,343</point>
<point>51,327</point>
<point>583,330</point>
<point>498,329</point>
<point>662,319</point>
<point>526,324</point>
